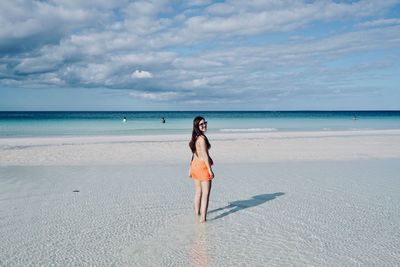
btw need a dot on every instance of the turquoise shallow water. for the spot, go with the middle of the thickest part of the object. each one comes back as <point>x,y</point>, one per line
<point>26,124</point>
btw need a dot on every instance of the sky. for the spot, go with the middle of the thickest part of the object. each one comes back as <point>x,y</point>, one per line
<point>112,55</point>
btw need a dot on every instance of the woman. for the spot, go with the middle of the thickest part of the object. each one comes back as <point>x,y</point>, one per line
<point>200,167</point>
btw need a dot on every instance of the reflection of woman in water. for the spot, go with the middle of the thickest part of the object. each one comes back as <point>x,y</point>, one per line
<point>199,255</point>
<point>200,167</point>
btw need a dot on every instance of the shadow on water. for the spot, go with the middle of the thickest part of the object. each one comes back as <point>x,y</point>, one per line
<point>238,205</point>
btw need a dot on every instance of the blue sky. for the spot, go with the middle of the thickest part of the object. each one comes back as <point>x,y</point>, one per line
<point>199,55</point>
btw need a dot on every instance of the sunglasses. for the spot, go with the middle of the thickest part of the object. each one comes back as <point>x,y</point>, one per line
<point>203,124</point>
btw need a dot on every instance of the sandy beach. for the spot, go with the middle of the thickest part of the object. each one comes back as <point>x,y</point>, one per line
<point>328,198</point>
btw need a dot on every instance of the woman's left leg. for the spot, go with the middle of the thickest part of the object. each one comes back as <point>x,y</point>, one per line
<point>197,197</point>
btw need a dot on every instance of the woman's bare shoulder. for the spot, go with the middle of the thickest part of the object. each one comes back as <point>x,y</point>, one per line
<point>201,140</point>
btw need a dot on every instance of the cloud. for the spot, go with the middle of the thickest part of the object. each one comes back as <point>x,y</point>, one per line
<point>253,17</point>
<point>157,96</point>
<point>378,23</point>
<point>141,74</point>
<point>28,24</point>
<point>233,51</point>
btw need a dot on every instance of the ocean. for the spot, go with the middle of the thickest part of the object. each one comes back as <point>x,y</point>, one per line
<point>42,124</point>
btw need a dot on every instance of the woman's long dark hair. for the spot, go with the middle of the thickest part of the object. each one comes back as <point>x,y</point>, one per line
<point>196,133</point>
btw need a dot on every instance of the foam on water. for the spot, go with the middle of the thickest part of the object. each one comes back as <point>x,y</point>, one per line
<point>250,130</point>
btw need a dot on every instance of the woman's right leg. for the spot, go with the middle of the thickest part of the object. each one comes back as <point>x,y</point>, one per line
<point>205,196</point>
<point>197,197</point>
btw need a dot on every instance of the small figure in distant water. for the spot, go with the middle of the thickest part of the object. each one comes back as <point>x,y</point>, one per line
<point>354,117</point>
<point>124,119</point>
<point>162,120</point>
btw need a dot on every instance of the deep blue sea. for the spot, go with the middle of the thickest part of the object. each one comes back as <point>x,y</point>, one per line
<point>28,124</point>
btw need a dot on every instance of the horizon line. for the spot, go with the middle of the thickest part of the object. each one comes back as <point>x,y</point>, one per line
<point>283,110</point>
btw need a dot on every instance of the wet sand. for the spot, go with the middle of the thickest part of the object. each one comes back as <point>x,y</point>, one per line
<point>325,198</point>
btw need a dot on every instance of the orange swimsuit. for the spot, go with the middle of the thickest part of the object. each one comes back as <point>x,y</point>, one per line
<point>199,170</point>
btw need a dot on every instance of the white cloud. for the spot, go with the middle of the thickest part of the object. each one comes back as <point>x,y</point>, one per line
<point>26,25</point>
<point>158,96</point>
<point>192,3</point>
<point>252,17</point>
<point>52,79</point>
<point>378,23</point>
<point>165,51</point>
<point>142,74</point>
<point>150,58</point>
<point>205,81</point>
<point>90,4</point>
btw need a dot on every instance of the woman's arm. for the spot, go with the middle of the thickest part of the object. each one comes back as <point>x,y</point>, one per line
<point>202,153</point>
